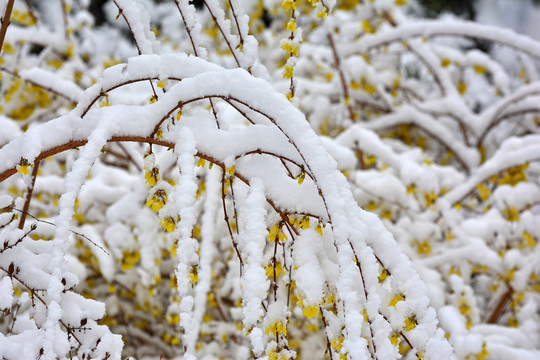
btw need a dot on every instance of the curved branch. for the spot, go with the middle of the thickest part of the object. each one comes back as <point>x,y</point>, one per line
<point>496,118</point>
<point>432,134</point>
<point>463,126</point>
<point>470,186</point>
<point>116,86</point>
<point>466,29</point>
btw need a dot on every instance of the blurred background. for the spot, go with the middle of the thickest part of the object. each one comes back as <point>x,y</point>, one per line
<point>521,15</point>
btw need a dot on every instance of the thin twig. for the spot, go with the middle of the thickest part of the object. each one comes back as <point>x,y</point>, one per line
<point>237,24</point>
<point>53,224</point>
<point>34,293</point>
<point>5,22</point>
<point>31,11</point>
<point>501,305</point>
<point>344,86</point>
<point>29,194</point>
<point>226,216</point>
<point>222,33</point>
<point>44,87</point>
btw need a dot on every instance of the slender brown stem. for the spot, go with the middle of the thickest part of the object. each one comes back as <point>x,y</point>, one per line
<point>29,195</point>
<point>501,305</point>
<point>223,34</point>
<point>129,157</point>
<point>5,22</point>
<point>42,86</point>
<point>292,88</point>
<point>226,216</point>
<point>82,236</point>
<point>359,266</point>
<point>325,324</point>
<point>31,11</point>
<point>188,29</point>
<point>236,22</point>
<point>344,86</point>
<point>35,294</point>
<point>218,307</point>
<point>136,42</point>
<point>64,18</point>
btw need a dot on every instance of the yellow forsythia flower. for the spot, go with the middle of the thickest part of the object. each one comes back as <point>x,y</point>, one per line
<point>304,224</point>
<point>272,355</point>
<point>383,275</point>
<point>464,307</point>
<point>278,270</point>
<point>387,214</point>
<point>337,343</point>
<point>367,87</point>
<point>410,323</point>
<point>288,72</point>
<point>484,354</point>
<point>511,214</point>
<point>151,177</point>
<point>289,4</point>
<point>276,328</point>
<point>106,102</point>
<point>274,230</point>
<point>371,206</point>
<point>311,311</point>
<point>462,87</point>
<point>430,198</point>
<point>479,69</point>
<point>168,224</point>
<point>483,192</point>
<point>23,169</point>
<point>397,298</point>
<point>290,47</point>
<point>291,25</point>
<point>424,248</point>
<point>366,26</point>
<point>394,338</point>
<point>528,239</point>
<point>365,315</point>
<point>157,201</point>
<point>194,275</point>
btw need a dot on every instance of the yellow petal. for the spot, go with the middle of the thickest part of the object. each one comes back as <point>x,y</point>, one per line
<point>397,298</point>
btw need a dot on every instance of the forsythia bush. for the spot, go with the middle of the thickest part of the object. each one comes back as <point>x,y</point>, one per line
<point>185,182</point>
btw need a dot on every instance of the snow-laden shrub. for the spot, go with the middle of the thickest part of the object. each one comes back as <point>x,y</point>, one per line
<point>165,192</point>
